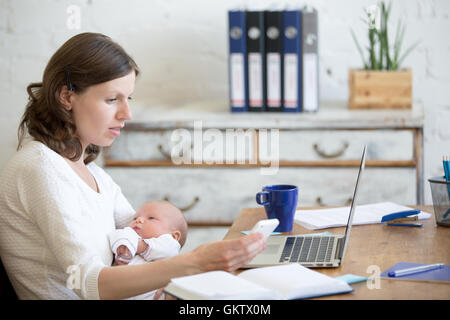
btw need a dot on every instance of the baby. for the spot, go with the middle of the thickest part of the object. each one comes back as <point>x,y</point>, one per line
<point>158,231</point>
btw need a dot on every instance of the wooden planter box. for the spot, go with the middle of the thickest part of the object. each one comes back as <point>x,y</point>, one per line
<point>380,89</point>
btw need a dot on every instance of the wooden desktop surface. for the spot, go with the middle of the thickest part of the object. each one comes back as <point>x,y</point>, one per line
<point>382,246</point>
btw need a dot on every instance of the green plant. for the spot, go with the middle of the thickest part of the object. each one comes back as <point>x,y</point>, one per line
<point>381,56</point>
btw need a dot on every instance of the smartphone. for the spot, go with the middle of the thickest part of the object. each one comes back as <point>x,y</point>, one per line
<point>265,227</point>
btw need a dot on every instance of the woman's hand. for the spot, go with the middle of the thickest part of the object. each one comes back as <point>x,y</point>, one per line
<point>229,255</point>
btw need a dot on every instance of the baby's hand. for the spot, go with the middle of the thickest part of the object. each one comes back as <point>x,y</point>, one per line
<point>120,263</point>
<point>123,255</point>
<point>123,252</point>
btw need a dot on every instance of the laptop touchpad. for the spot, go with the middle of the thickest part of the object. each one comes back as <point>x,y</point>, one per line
<point>271,249</point>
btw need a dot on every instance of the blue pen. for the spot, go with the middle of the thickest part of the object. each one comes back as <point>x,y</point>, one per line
<point>446,164</point>
<point>414,270</point>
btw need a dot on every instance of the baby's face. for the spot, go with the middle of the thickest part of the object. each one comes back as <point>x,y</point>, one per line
<point>150,221</point>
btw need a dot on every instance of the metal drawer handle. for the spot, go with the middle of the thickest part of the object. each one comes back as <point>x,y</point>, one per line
<point>338,153</point>
<point>167,155</point>
<point>321,204</point>
<point>188,207</point>
<point>164,153</point>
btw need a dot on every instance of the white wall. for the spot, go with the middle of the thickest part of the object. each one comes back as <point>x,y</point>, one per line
<point>181,47</point>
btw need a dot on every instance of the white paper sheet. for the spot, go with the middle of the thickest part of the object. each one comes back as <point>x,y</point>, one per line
<point>338,217</point>
<point>222,285</point>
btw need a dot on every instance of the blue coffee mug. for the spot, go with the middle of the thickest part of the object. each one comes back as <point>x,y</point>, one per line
<point>280,201</point>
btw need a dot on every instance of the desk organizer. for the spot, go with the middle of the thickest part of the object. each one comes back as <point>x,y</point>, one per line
<point>440,192</point>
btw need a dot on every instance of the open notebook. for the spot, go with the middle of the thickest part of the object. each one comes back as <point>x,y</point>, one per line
<point>286,282</point>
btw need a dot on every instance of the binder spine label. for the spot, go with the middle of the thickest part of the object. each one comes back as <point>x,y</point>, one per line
<point>310,82</point>
<point>273,79</point>
<point>237,80</point>
<point>255,77</point>
<point>292,56</point>
<point>237,61</point>
<point>290,80</point>
<point>310,61</point>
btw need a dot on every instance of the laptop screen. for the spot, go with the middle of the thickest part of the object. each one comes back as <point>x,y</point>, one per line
<point>353,205</point>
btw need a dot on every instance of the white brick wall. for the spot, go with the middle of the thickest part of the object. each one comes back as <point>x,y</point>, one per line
<point>169,39</point>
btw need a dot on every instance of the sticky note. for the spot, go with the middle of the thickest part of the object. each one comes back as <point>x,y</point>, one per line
<point>351,278</point>
<point>248,232</point>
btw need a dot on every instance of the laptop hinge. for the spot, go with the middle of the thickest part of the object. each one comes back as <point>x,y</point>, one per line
<point>339,248</point>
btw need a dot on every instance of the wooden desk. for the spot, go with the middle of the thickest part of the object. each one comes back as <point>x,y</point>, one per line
<point>381,246</point>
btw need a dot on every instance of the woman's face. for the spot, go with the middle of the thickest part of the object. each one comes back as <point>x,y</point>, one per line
<point>101,110</point>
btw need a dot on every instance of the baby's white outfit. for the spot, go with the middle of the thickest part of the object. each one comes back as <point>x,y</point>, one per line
<point>164,246</point>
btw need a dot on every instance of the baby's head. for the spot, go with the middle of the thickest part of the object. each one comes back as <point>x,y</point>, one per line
<point>156,218</point>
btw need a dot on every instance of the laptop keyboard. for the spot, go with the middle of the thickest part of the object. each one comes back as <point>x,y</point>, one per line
<point>307,249</point>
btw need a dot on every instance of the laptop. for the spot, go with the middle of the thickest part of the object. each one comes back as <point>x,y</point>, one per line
<point>319,251</point>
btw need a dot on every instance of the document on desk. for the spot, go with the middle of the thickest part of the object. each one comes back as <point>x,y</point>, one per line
<point>338,217</point>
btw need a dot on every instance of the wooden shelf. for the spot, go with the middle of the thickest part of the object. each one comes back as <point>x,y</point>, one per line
<point>318,163</point>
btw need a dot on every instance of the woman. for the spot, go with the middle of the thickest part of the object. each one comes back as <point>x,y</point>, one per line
<point>57,206</point>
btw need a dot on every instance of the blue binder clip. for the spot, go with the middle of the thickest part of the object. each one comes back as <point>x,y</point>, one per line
<point>402,218</point>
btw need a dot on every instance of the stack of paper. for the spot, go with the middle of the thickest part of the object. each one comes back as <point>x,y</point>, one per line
<point>338,217</point>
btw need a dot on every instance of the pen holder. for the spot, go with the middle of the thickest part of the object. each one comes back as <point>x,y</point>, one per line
<point>440,192</point>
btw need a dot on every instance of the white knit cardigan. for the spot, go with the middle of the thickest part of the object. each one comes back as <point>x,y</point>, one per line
<point>53,226</point>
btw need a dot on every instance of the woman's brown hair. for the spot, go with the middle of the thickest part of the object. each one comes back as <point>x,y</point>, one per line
<point>84,60</point>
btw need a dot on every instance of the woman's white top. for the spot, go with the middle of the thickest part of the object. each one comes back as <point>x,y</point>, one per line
<point>54,227</point>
